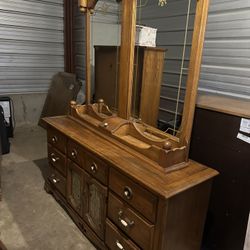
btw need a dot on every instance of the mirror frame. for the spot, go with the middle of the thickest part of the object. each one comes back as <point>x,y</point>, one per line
<point>126,66</point>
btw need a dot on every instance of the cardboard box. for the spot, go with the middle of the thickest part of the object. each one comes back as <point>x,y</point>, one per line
<point>145,36</point>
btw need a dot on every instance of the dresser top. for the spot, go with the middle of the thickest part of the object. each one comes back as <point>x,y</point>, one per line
<point>139,168</point>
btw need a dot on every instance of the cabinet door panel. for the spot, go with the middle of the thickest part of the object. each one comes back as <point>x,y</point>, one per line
<point>94,199</point>
<point>75,186</point>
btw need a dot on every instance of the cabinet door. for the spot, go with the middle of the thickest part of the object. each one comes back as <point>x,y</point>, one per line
<point>95,200</point>
<point>75,186</point>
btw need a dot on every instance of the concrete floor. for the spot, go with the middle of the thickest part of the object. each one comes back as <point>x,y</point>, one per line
<point>30,219</point>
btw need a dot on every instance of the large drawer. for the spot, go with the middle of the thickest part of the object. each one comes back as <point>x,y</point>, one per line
<point>58,181</point>
<point>76,153</point>
<point>57,159</point>
<point>130,222</point>
<point>115,240</point>
<point>57,139</point>
<point>138,197</point>
<point>97,168</point>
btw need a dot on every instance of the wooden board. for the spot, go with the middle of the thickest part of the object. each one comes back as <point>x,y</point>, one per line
<point>63,89</point>
<point>229,203</point>
<point>151,85</point>
<point>194,71</point>
<point>224,104</point>
<point>127,58</point>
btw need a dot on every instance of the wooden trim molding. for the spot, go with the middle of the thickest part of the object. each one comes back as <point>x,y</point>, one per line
<point>69,64</point>
<point>224,104</point>
<point>127,50</point>
<point>194,70</point>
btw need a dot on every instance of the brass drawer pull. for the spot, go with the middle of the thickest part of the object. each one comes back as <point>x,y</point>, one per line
<point>54,139</point>
<point>93,168</point>
<point>119,245</point>
<point>74,153</point>
<point>125,222</point>
<point>54,179</point>
<point>128,193</point>
<point>54,158</point>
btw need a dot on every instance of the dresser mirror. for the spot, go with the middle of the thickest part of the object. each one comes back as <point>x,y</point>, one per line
<point>167,26</point>
<point>105,39</point>
<point>132,81</point>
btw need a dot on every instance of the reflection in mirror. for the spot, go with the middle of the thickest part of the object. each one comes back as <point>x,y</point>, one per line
<point>161,61</point>
<point>105,42</point>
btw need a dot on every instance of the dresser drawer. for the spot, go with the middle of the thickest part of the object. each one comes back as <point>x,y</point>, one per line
<point>140,231</point>
<point>138,197</point>
<point>58,181</point>
<point>57,159</point>
<point>97,168</point>
<point>57,139</point>
<point>76,153</point>
<point>115,240</point>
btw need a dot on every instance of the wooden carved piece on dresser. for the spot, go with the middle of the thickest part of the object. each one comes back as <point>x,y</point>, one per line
<point>125,184</point>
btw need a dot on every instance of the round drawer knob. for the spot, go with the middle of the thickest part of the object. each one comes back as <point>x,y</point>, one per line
<point>74,153</point>
<point>54,139</point>
<point>128,193</point>
<point>93,168</point>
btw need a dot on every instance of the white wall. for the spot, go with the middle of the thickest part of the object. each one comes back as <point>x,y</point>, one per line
<point>28,108</point>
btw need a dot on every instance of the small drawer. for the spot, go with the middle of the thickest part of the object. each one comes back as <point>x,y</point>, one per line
<point>138,197</point>
<point>57,139</point>
<point>76,153</point>
<point>58,181</point>
<point>130,222</point>
<point>116,240</point>
<point>97,168</point>
<point>57,159</point>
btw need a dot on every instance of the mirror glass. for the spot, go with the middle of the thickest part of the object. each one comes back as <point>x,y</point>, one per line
<point>105,43</point>
<point>162,52</point>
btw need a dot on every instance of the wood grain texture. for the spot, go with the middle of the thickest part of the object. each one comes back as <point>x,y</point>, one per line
<point>223,104</point>
<point>97,168</point>
<point>76,153</point>
<point>139,230</point>
<point>74,171</point>
<point>157,181</point>
<point>126,67</point>
<point>183,219</point>
<point>194,70</point>
<point>57,140</point>
<point>88,56</point>
<point>151,85</point>
<point>75,217</point>
<point>57,160</point>
<point>106,75</point>
<point>119,183</point>
<point>115,237</point>
<point>229,203</point>
<point>58,181</point>
<point>94,208</point>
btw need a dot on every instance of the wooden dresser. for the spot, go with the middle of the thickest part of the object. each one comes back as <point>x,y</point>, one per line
<point>120,199</point>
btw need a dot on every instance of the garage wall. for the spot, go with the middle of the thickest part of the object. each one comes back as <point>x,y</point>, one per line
<point>104,21</point>
<point>170,22</point>
<point>226,56</point>
<point>31,44</point>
